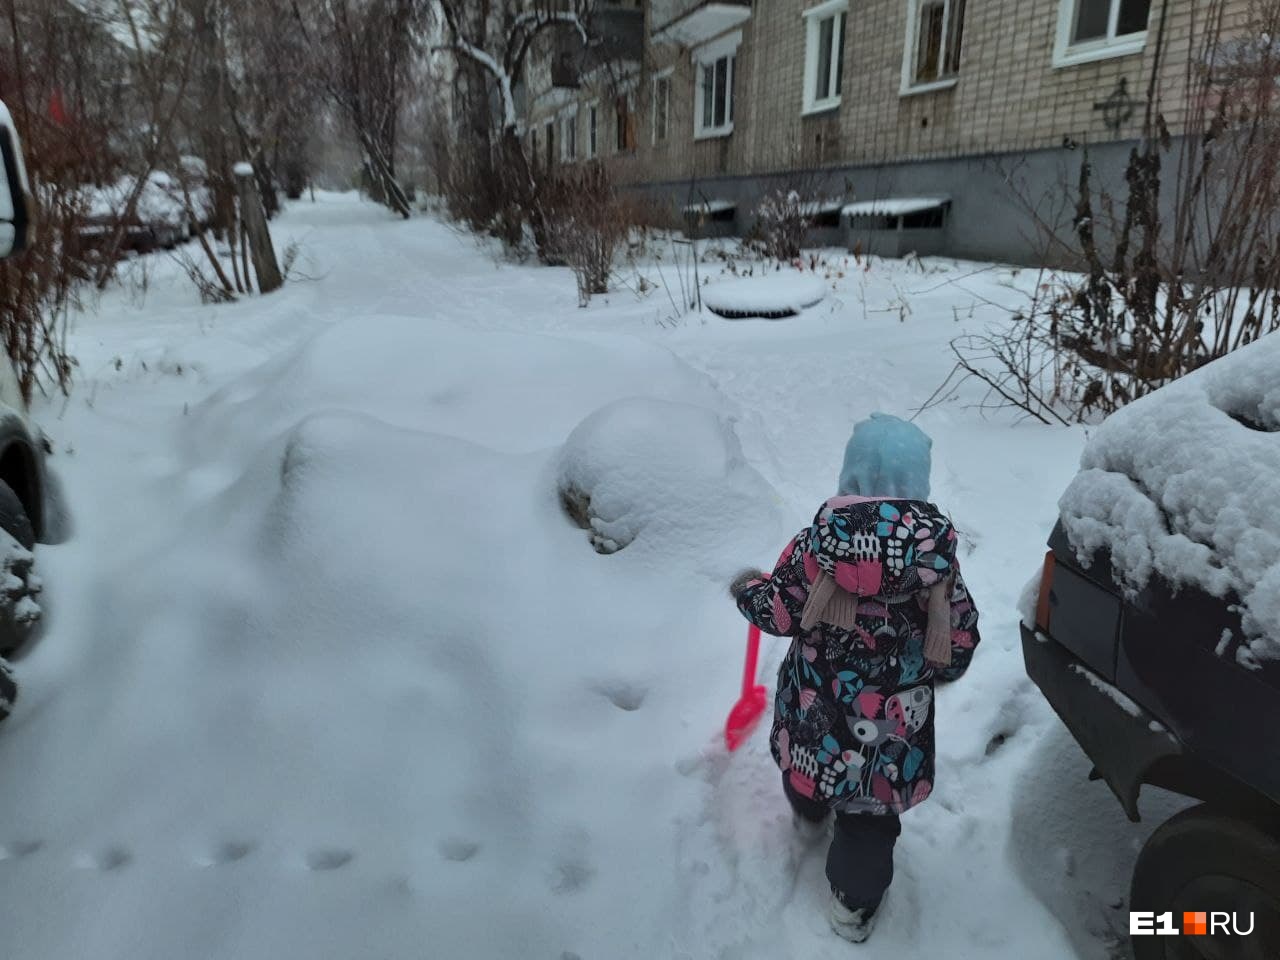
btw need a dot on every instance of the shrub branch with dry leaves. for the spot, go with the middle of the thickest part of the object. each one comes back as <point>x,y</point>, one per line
<point>1180,269</point>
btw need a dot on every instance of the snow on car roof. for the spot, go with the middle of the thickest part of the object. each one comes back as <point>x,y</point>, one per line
<point>894,206</point>
<point>1185,484</point>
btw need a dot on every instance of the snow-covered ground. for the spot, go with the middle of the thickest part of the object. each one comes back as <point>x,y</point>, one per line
<point>330,673</point>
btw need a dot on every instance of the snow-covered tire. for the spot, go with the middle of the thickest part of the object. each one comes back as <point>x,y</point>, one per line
<point>19,586</point>
<point>1206,860</point>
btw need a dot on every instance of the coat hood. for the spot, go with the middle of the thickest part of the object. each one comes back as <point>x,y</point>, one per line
<point>887,457</point>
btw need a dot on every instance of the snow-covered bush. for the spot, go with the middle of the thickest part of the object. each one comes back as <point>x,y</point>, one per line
<point>789,212</point>
<point>665,474</point>
<point>783,220</point>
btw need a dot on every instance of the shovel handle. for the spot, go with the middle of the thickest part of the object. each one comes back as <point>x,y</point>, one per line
<point>753,656</point>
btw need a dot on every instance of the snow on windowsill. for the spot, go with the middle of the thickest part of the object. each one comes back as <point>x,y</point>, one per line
<point>1077,54</point>
<point>820,107</point>
<point>916,89</point>
<point>816,208</point>
<point>712,133</point>
<point>893,206</point>
<point>709,207</point>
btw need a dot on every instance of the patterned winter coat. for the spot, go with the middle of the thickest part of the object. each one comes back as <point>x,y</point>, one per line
<point>853,713</point>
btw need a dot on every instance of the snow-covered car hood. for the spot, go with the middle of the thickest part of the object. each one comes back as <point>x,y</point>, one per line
<point>161,200</point>
<point>1185,484</point>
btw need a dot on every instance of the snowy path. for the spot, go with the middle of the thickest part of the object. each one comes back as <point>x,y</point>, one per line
<point>329,675</point>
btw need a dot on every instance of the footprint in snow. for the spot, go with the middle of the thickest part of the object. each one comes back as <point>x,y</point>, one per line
<point>329,859</point>
<point>626,696</point>
<point>571,876</point>
<point>998,740</point>
<point>458,850</point>
<point>231,851</point>
<point>19,849</point>
<point>107,859</point>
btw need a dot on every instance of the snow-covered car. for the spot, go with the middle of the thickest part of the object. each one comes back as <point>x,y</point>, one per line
<point>1155,636</point>
<point>169,210</point>
<point>25,512</point>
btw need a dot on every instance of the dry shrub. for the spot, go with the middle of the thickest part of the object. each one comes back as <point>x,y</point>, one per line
<point>1180,269</point>
<point>39,289</point>
<point>586,225</point>
<point>59,83</point>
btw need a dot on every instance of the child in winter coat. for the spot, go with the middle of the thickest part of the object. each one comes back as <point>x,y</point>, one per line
<point>872,596</point>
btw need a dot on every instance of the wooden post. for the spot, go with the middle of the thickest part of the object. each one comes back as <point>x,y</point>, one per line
<point>255,225</point>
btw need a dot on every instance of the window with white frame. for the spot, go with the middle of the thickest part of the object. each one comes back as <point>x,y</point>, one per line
<point>1097,29</point>
<point>569,136</point>
<point>549,128</point>
<point>661,106</point>
<point>716,65</point>
<point>824,55</point>
<point>935,31</point>
<point>593,130</point>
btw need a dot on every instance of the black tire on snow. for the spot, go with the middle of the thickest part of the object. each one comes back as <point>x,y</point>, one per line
<point>17,582</point>
<point>13,517</point>
<point>1207,859</point>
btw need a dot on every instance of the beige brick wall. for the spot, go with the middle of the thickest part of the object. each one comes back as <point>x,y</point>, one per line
<point>1009,97</point>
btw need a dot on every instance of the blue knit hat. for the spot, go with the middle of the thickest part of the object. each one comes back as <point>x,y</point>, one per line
<point>886,457</point>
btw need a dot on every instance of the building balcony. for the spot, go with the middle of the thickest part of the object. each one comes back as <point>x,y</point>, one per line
<point>690,24</point>
<point>616,36</point>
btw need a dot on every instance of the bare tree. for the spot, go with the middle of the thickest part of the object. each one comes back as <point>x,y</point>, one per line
<point>160,51</point>
<point>277,92</point>
<point>371,47</point>
<point>496,40</point>
<point>66,82</point>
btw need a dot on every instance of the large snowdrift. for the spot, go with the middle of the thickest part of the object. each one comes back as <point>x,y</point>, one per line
<point>374,672</point>
<point>330,674</point>
<point>1185,484</point>
<point>412,371</point>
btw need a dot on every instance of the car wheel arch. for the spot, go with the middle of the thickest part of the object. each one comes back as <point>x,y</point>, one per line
<point>1184,774</point>
<point>20,469</point>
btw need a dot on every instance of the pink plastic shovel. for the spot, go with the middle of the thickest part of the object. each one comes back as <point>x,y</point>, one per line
<point>750,707</point>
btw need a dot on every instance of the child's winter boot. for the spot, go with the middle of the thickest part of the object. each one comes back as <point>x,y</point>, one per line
<point>854,925</point>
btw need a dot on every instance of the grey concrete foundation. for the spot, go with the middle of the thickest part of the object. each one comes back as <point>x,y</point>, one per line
<point>1003,207</point>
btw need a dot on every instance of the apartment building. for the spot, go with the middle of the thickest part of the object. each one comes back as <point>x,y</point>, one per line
<point>979,107</point>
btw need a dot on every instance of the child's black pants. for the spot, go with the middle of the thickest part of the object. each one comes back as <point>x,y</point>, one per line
<point>860,859</point>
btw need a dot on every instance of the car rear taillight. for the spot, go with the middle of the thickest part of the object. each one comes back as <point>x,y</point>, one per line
<point>1046,585</point>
